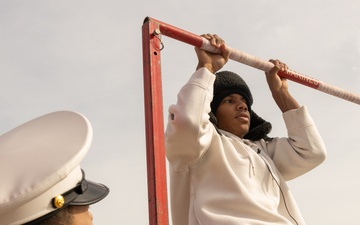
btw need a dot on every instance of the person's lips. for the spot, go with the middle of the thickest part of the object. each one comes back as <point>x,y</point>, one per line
<point>242,116</point>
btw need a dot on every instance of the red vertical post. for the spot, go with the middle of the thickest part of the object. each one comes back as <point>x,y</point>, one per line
<point>154,125</point>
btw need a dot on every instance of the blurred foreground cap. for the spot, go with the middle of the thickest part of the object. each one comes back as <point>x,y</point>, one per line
<point>40,171</point>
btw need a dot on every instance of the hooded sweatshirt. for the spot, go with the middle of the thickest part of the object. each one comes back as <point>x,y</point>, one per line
<point>219,178</point>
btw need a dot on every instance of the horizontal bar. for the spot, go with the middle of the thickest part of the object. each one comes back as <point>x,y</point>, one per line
<point>244,58</point>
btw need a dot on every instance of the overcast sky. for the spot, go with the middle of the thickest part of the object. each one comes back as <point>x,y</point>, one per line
<point>86,56</point>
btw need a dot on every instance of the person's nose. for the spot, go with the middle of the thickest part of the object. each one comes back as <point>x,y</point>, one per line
<point>241,105</point>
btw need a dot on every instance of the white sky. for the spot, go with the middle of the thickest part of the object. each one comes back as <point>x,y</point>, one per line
<point>86,56</point>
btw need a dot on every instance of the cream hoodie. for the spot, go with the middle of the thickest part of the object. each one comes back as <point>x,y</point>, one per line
<point>222,179</point>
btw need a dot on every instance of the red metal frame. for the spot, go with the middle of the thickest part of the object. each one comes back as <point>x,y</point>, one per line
<point>177,33</point>
<point>155,148</point>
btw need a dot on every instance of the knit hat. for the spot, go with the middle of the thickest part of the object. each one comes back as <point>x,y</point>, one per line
<point>227,83</point>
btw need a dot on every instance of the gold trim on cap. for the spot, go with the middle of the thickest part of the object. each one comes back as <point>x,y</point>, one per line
<point>59,201</point>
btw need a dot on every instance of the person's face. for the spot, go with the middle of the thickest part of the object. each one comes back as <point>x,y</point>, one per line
<point>233,115</point>
<point>81,215</point>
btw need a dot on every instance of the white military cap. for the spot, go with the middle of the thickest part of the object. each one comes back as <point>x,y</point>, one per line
<point>40,171</point>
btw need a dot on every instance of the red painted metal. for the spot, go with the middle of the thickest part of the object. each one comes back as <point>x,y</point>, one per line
<point>154,125</point>
<point>178,34</point>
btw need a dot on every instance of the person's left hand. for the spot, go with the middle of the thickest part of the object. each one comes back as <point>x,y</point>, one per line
<point>279,87</point>
<point>276,83</point>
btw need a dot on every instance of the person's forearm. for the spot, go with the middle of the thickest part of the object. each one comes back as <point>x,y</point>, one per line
<point>285,101</point>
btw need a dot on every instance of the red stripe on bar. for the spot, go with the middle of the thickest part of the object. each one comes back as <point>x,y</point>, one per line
<point>299,78</point>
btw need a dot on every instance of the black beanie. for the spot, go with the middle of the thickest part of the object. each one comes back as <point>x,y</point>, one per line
<point>227,83</point>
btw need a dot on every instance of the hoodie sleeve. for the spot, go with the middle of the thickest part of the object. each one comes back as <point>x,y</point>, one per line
<point>302,150</point>
<point>188,133</point>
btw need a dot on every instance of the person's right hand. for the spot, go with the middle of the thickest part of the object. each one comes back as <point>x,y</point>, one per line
<point>213,61</point>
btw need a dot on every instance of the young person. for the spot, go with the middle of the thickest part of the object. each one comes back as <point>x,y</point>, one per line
<point>41,179</point>
<point>227,170</point>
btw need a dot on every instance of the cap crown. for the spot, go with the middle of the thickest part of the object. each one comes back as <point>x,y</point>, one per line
<point>37,156</point>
